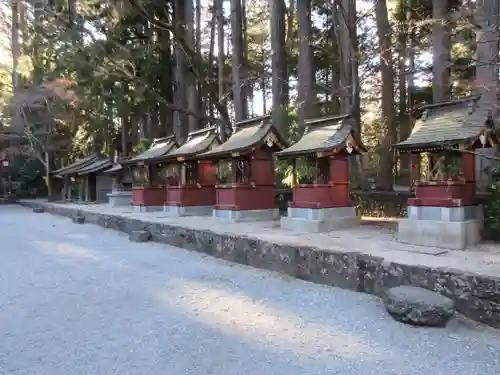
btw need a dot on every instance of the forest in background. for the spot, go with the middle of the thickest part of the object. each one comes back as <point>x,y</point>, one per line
<point>109,76</point>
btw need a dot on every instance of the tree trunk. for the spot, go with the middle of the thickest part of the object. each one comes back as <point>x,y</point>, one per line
<point>124,136</point>
<point>385,177</point>
<point>15,42</point>
<point>290,39</point>
<point>306,95</point>
<point>180,100</point>
<point>198,26</point>
<point>441,45</point>
<point>487,18</point>
<point>192,95</point>
<point>208,105</point>
<point>166,113</point>
<point>219,9</point>
<point>237,60</point>
<point>278,54</point>
<point>199,84</point>
<point>344,45</point>
<point>247,88</point>
<point>404,126</point>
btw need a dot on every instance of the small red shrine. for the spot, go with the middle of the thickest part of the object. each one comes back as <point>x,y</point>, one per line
<point>321,198</point>
<point>190,187</point>
<point>148,190</point>
<point>246,186</point>
<point>444,211</point>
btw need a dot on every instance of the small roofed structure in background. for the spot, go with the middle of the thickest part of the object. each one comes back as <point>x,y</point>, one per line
<point>68,174</point>
<point>190,182</point>
<point>96,184</point>
<point>442,146</point>
<point>321,198</point>
<point>86,174</point>
<point>246,186</point>
<point>121,191</point>
<point>148,191</point>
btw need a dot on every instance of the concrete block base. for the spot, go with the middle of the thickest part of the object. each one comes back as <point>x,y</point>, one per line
<point>453,214</point>
<point>119,198</point>
<point>142,209</point>
<point>176,211</point>
<point>454,228</point>
<point>247,215</point>
<point>455,235</point>
<point>318,220</point>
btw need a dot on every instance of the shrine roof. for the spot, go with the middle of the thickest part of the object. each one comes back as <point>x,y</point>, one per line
<point>97,166</point>
<point>453,123</point>
<point>248,134</point>
<point>323,134</point>
<point>75,166</point>
<point>159,147</point>
<point>197,142</point>
<point>115,169</point>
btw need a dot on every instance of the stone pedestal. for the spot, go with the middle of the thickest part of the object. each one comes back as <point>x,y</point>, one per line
<point>443,214</point>
<point>247,215</point>
<point>319,219</point>
<point>148,199</point>
<point>120,198</point>
<point>453,228</point>
<point>177,211</point>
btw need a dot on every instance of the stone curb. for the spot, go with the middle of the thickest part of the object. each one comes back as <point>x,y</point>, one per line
<point>475,296</point>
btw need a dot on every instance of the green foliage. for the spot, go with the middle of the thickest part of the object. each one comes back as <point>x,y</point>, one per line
<point>142,146</point>
<point>24,177</point>
<point>491,230</point>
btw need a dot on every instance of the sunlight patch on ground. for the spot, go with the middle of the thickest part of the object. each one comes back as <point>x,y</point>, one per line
<point>65,250</point>
<point>253,321</point>
<point>381,219</point>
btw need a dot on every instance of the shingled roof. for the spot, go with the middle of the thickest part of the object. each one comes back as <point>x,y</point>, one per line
<point>97,166</point>
<point>197,142</point>
<point>115,169</point>
<point>248,134</point>
<point>74,167</point>
<point>160,147</point>
<point>451,123</point>
<point>324,134</point>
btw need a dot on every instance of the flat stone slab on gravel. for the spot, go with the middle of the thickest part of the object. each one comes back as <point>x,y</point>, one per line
<point>78,219</point>
<point>38,210</point>
<point>418,306</point>
<point>139,236</point>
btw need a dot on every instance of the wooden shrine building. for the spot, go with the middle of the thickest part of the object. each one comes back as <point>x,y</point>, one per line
<point>84,180</point>
<point>190,186</point>
<point>246,186</point>
<point>444,212</point>
<point>321,198</point>
<point>148,191</point>
<point>96,184</point>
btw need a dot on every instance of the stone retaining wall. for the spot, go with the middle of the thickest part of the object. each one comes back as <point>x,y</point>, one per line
<point>476,296</point>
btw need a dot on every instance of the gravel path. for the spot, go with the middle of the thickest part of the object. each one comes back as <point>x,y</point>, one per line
<point>79,299</point>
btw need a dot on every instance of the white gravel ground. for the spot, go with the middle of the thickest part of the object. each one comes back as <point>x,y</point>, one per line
<point>79,299</point>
